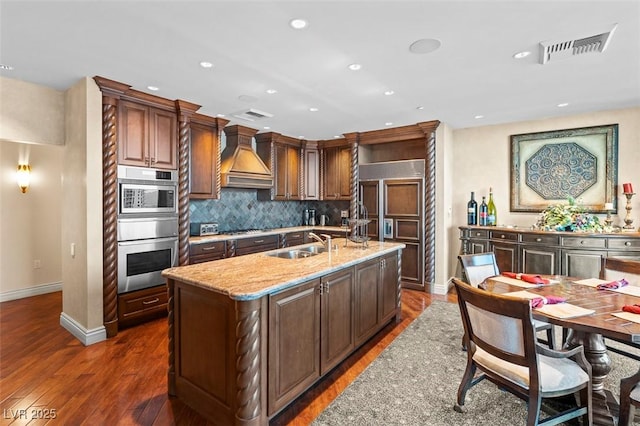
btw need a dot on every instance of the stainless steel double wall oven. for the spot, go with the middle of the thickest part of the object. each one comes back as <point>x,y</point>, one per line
<point>147,226</point>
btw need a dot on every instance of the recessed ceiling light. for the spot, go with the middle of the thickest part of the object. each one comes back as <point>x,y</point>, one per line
<point>425,45</point>
<point>6,67</point>
<point>313,109</point>
<point>563,104</point>
<point>522,54</point>
<point>388,123</point>
<point>337,136</point>
<point>477,117</point>
<point>153,88</point>
<point>298,24</point>
<point>389,92</point>
<point>271,91</point>
<point>266,127</point>
<point>420,107</point>
<point>205,64</point>
<point>220,115</point>
<point>300,137</point>
<point>355,67</point>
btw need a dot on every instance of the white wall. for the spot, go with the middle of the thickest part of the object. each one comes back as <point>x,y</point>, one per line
<point>30,222</point>
<point>483,160</point>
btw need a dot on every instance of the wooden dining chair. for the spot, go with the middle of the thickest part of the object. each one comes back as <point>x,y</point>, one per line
<point>479,266</point>
<point>518,363</point>
<point>615,269</point>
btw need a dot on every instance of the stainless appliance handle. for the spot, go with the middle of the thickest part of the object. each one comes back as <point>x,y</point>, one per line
<point>154,240</point>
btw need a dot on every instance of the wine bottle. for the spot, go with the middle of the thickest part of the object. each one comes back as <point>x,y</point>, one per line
<point>472,211</point>
<point>483,212</point>
<point>492,214</point>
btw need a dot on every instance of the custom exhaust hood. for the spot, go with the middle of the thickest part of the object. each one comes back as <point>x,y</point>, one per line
<point>240,165</point>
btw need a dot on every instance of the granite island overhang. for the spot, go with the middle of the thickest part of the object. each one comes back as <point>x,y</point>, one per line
<point>249,334</point>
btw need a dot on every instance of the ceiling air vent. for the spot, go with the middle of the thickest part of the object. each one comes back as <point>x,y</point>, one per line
<point>251,115</point>
<point>554,50</point>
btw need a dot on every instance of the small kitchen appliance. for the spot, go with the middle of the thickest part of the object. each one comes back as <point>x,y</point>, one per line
<point>312,217</point>
<point>344,216</point>
<point>203,229</point>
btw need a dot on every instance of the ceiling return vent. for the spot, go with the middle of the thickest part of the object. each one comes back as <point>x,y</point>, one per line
<point>555,50</point>
<point>251,115</point>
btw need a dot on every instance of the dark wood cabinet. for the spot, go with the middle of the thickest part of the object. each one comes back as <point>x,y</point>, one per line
<point>206,252</point>
<point>376,296</point>
<point>142,305</point>
<point>255,244</point>
<point>542,252</point>
<point>291,239</point>
<point>336,173</point>
<point>147,136</point>
<point>294,343</point>
<point>336,329</point>
<point>204,157</point>
<point>311,171</point>
<point>282,154</point>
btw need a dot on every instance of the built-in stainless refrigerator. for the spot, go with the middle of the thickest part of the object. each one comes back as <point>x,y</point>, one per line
<point>392,194</point>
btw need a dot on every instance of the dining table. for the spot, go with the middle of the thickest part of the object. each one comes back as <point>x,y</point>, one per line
<point>590,314</point>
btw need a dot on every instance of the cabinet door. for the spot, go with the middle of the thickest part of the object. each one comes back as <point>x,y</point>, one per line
<point>293,173</point>
<point>337,334</point>
<point>279,165</point>
<point>412,266</point>
<point>367,300</point>
<point>203,162</point>
<point>344,173</point>
<point>370,199</point>
<point>506,256</point>
<point>163,139</point>
<point>540,260</point>
<point>133,134</point>
<point>582,264</point>
<point>337,173</point>
<point>311,174</point>
<point>294,343</point>
<point>389,288</point>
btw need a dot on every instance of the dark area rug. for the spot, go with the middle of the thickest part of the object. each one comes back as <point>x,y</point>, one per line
<point>415,379</point>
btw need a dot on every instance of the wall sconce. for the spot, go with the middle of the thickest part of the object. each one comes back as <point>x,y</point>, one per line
<point>24,171</point>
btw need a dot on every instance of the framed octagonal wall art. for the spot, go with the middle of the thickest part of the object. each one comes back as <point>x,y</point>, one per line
<point>551,167</point>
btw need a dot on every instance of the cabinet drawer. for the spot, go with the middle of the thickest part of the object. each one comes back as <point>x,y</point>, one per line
<point>504,236</point>
<point>139,305</point>
<point>622,243</point>
<point>583,242</point>
<point>552,240</point>
<point>478,233</point>
<point>265,240</point>
<point>213,248</point>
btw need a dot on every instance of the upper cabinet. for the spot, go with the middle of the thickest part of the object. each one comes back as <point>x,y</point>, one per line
<point>147,136</point>
<point>310,171</point>
<point>204,157</point>
<point>336,172</point>
<point>282,154</point>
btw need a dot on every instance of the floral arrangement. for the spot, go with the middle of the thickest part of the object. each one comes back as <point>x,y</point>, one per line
<point>568,217</point>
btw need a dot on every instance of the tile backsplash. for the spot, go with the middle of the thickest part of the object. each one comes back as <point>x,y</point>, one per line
<point>240,209</point>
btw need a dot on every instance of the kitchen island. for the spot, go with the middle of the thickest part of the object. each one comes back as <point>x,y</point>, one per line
<point>249,334</point>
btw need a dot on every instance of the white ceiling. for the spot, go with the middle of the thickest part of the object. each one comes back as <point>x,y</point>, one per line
<point>143,43</point>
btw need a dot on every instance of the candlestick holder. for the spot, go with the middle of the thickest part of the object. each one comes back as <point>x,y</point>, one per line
<point>608,221</point>
<point>627,219</point>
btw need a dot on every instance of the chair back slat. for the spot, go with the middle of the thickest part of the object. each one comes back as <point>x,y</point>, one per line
<point>614,268</point>
<point>500,325</point>
<point>478,267</point>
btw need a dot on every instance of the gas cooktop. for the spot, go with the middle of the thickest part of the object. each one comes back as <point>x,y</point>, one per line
<point>245,231</point>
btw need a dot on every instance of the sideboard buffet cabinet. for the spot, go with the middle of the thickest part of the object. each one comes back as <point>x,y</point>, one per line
<point>576,254</point>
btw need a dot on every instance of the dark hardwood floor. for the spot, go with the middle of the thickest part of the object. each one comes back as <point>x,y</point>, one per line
<point>46,372</point>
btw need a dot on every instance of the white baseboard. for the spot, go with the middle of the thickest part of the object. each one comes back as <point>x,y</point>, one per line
<point>30,291</point>
<point>86,337</point>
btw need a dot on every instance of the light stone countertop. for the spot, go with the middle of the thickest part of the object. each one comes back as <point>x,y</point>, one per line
<point>256,275</point>
<point>275,231</point>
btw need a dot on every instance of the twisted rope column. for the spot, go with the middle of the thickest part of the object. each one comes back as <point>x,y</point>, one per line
<point>430,209</point>
<point>183,190</point>
<point>354,181</point>
<point>110,209</point>
<point>248,360</point>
